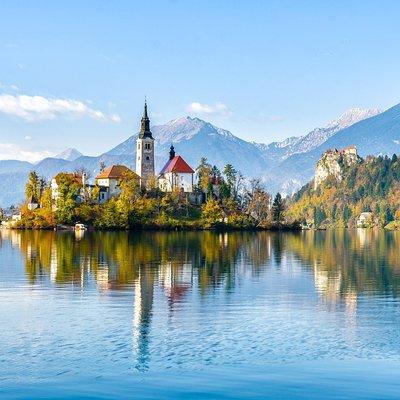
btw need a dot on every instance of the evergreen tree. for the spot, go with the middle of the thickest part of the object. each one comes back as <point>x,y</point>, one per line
<point>278,208</point>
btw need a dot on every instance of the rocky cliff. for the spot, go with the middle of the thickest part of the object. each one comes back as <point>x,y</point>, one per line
<point>333,162</point>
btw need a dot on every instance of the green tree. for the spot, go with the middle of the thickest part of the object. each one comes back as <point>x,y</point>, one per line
<point>278,208</point>
<point>68,192</point>
<point>234,181</point>
<point>34,187</point>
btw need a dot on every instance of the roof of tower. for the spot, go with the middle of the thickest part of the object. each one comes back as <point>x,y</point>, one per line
<point>145,131</point>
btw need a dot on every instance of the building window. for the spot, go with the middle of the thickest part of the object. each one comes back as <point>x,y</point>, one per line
<point>147,146</point>
<point>138,146</point>
<point>147,158</point>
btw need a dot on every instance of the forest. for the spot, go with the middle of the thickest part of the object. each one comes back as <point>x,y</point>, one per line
<point>371,185</point>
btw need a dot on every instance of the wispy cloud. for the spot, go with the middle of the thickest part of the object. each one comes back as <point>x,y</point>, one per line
<point>12,151</point>
<point>208,109</point>
<point>8,87</point>
<point>36,108</point>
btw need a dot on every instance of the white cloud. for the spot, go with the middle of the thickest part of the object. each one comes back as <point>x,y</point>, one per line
<point>208,109</point>
<point>27,137</point>
<point>35,108</point>
<point>12,151</point>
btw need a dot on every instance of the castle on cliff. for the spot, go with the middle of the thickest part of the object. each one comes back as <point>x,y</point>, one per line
<point>332,162</point>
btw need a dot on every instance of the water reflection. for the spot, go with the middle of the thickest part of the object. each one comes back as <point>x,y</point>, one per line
<point>342,266</point>
<point>343,262</point>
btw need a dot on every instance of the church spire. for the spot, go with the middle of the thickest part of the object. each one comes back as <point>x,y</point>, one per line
<point>145,131</point>
<point>171,152</point>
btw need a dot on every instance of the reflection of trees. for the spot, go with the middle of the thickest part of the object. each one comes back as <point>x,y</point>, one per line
<point>114,259</point>
<point>119,260</point>
<point>350,261</point>
<point>343,261</point>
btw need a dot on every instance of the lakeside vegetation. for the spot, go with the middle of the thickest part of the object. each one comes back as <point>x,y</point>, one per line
<point>371,185</point>
<point>223,201</point>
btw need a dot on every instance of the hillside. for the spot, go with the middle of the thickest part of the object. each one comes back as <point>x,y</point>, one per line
<point>360,185</point>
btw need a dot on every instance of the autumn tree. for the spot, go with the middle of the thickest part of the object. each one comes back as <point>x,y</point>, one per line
<point>258,202</point>
<point>35,186</point>
<point>211,213</point>
<point>204,171</point>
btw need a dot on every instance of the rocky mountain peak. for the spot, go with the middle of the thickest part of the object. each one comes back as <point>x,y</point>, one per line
<point>352,116</point>
<point>70,154</point>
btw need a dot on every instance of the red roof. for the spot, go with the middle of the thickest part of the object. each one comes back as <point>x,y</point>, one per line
<point>116,172</point>
<point>177,165</point>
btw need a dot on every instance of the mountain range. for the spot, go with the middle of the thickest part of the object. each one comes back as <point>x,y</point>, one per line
<point>283,166</point>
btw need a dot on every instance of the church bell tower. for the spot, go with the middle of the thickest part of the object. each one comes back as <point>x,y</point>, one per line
<point>145,150</point>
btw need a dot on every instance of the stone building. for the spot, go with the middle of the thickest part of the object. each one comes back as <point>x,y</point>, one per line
<point>145,150</point>
<point>109,181</point>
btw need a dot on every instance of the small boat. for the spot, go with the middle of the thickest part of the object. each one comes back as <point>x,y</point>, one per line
<point>80,227</point>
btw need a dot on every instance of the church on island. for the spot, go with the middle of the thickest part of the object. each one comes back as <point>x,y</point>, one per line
<point>176,175</point>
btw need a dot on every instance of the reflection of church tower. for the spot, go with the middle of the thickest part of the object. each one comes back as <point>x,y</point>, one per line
<point>143,306</point>
<point>145,150</point>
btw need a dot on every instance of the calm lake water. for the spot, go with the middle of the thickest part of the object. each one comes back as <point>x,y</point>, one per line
<point>200,315</point>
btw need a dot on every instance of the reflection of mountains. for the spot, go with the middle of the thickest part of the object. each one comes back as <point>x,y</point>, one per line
<point>348,262</point>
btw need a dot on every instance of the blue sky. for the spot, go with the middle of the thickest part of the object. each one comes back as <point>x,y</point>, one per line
<point>74,74</point>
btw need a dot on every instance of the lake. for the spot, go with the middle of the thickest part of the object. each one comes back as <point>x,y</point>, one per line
<point>200,315</point>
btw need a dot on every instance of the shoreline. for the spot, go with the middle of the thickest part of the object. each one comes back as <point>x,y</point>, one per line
<point>71,228</point>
